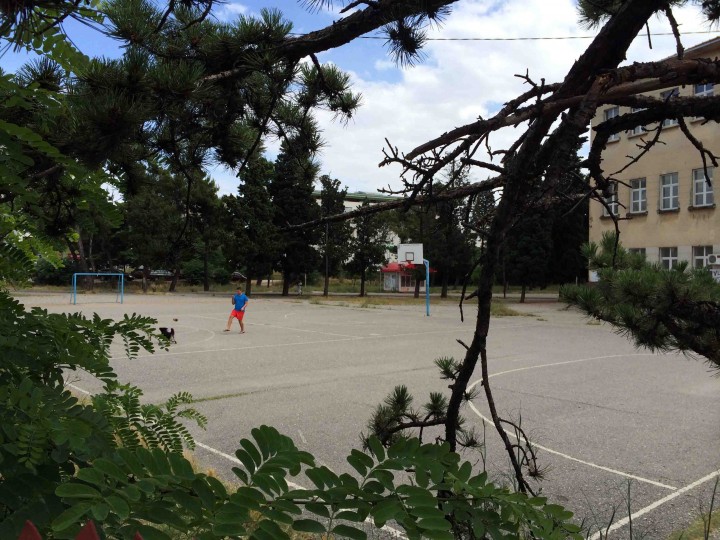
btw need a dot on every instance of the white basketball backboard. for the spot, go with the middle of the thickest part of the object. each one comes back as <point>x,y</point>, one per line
<point>410,253</point>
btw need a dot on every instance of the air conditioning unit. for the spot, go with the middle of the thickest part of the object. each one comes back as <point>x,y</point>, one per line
<point>713,258</point>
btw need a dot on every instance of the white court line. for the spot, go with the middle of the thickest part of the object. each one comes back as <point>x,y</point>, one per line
<point>249,347</point>
<point>211,336</point>
<point>273,345</point>
<point>235,460</point>
<point>571,458</point>
<point>620,523</point>
<point>275,326</point>
<point>391,531</point>
<point>550,450</point>
<point>656,504</point>
<point>77,388</point>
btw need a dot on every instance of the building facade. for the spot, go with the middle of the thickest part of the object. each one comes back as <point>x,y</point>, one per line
<point>667,199</point>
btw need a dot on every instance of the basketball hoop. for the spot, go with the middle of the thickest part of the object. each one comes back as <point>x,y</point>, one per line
<point>412,254</point>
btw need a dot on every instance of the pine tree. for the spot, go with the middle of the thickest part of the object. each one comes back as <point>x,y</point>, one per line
<point>527,249</point>
<point>291,190</point>
<point>450,242</point>
<point>369,245</point>
<point>206,213</point>
<point>662,309</point>
<point>155,225</point>
<point>335,241</point>
<point>254,239</point>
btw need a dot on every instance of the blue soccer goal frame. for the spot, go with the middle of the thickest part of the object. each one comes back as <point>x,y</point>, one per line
<point>121,284</point>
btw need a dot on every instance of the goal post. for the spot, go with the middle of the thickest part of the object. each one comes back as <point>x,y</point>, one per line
<point>119,290</point>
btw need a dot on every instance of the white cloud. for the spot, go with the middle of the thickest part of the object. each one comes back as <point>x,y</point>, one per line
<point>461,80</point>
<point>229,11</point>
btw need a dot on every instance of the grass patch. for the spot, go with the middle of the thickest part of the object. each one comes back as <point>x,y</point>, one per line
<point>497,308</point>
<point>219,397</point>
<point>501,309</point>
<point>698,528</point>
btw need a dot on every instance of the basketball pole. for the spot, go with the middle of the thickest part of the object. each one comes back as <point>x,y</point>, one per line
<point>427,287</point>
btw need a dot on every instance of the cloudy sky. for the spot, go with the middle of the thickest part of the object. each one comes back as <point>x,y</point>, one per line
<point>457,81</point>
<point>470,75</point>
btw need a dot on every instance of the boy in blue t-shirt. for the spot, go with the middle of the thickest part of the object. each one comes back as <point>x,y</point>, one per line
<point>239,301</point>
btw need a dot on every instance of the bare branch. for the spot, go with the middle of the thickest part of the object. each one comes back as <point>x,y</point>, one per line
<point>449,195</point>
<point>676,32</point>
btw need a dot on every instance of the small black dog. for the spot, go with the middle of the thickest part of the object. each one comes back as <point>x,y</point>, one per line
<point>169,333</point>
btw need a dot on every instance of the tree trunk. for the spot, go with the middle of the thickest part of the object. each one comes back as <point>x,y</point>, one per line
<point>362,283</point>
<point>206,268</point>
<point>286,285</point>
<point>88,281</point>
<point>444,290</point>
<point>522,294</point>
<point>82,259</point>
<point>326,287</point>
<point>248,285</point>
<point>417,288</point>
<point>145,278</point>
<point>259,281</point>
<point>91,258</point>
<point>175,278</point>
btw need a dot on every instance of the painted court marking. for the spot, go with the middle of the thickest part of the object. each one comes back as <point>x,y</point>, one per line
<point>622,522</point>
<point>389,530</point>
<point>676,492</point>
<point>162,354</point>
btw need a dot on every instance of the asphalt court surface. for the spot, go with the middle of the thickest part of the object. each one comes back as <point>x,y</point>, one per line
<point>619,430</point>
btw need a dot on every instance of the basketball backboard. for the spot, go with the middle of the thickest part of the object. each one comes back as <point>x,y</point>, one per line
<point>410,253</point>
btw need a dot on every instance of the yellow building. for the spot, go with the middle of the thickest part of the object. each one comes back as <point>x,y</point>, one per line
<point>669,205</point>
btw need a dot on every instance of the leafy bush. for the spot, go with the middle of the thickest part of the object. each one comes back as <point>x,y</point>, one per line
<point>417,486</point>
<point>193,271</point>
<point>221,276</point>
<point>47,274</point>
<point>119,462</point>
<point>46,433</point>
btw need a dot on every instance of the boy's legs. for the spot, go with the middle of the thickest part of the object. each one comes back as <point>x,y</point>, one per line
<point>229,323</point>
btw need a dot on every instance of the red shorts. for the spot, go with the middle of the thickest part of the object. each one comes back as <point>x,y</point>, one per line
<point>237,314</point>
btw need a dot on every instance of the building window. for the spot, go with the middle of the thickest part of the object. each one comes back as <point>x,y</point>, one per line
<point>702,187</point>
<point>637,130</point>
<point>407,281</point>
<point>667,96</point>
<point>638,195</point>
<point>704,90</point>
<point>699,255</point>
<point>669,191</point>
<point>668,257</point>
<point>612,112</point>
<point>611,202</point>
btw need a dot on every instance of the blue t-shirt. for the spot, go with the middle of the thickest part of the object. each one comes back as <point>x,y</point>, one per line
<point>240,300</point>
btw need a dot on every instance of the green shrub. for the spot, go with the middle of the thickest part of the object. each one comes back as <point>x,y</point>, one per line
<point>193,271</point>
<point>221,276</point>
<point>119,462</point>
<point>46,433</point>
<point>47,274</point>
